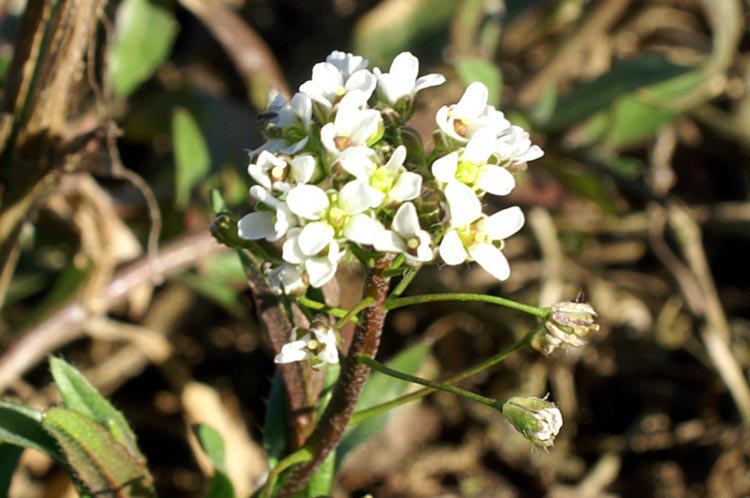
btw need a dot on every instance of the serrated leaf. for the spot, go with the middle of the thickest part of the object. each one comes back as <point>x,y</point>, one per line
<point>99,463</point>
<point>9,455</point>
<point>22,426</point>
<point>213,445</point>
<point>471,69</point>
<point>379,389</point>
<point>79,395</point>
<point>144,33</point>
<point>191,156</point>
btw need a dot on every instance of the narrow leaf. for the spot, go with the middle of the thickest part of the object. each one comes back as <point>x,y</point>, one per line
<point>213,445</point>
<point>321,482</point>
<point>144,33</point>
<point>101,465</point>
<point>21,426</point>
<point>192,159</point>
<point>79,395</point>
<point>9,456</point>
<point>275,431</point>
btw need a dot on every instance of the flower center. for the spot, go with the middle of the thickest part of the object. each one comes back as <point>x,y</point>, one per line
<point>467,172</point>
<point>381,180</point>
<point>460,127</point>
<point>342,143</point>
<point>336,217</point>
<point>278,173</point>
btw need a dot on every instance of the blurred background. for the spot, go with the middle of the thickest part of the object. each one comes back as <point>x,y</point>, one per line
<point>119,117</point>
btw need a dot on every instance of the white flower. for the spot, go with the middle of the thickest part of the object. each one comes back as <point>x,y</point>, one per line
<point>470,166</point>
<point>476,237</point>
<point>317,344</point>
<point>334,214</point>
<point>462,120</point>
<point>276,174</point>
<point>388,183</point>
<point>263,224</point>
<point>352,126</point>
<point>514,147</point>
<point>402,82</point>
<point>319,253</point>
<point>339,75</point>
<point>286,279</point>
<point>407,237</point>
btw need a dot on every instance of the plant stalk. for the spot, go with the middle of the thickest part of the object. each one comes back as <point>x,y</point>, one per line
<point>330,429</point>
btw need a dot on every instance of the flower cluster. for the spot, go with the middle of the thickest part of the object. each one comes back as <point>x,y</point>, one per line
<point>341,174</point>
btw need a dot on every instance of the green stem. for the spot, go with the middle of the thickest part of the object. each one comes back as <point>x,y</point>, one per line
<point>376,410</point>
<point>400,302</point>
<point>375,365</point>
<point>405,281</point>
<point>352,314</point>
<point>300,456</point>
<point>318,306</point>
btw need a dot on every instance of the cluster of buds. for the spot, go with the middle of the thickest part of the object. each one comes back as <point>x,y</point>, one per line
<point>341,174</point>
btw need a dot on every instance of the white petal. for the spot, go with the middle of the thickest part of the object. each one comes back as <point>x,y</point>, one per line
<point>491,259</point>
<point>328,138</point>
<point>322,269</point>
<point>256,226</point>
<point>355,197</point>
<point>444,168</point>
<point>315,237</point>
<point>262,195</point>
<point>452,249</point>
<point>389,241</point>
<point>302,107</point>
<point>480,147</point>
<point>427,81</point>
<point>473,101</point>
<point>365,125</point>
<point>407,187</point>
<point>406,67</point>
<point>291,352</point>
<point>303,168</point>
<point>259,175</point>
<point>356,161</point>
<point>424,251</point>
<point>291,252</point>
<point>406,221</point>
<point>505,223</point>
<point>364,81</point>
<point>307,201</point>
<point>397,159</point>
<point>362,229</point>
<point>496,180</point>
<point>463,203</point>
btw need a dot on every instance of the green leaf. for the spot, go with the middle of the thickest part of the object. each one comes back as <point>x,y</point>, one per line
<point>100,464</point>
<point>79,395</point>
<point>9,455</point>
<point>213,445</point>
<point>275,430</point>
<point>144,33</point>
<point>21,426</point>
<point>623,79</point>
<point>192,159</point>
<point>217,202</point>
<point>471,69</point>
<point>321,482</point>
<point>379,389</point>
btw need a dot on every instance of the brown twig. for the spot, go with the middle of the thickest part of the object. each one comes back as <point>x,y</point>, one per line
<point>335,419</point>
<point>66,324</point>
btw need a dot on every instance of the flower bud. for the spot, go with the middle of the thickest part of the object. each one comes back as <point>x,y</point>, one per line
<point>537,419</point>
<point>569,323</point>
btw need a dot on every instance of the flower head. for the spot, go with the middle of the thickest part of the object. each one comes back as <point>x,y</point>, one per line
<point>407,237</point>
<point>318,344</point>
<point>459,122</point>
<point>477,237</point>
<point>390,182</point>
<point>340,74</point>
<point>537,419</point>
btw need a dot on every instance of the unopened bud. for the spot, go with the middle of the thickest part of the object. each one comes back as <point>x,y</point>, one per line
<point>569,323</point>
<point>537,419</point>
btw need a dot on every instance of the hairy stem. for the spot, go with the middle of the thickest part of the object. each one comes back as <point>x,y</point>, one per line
<point>335,419</point>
